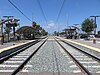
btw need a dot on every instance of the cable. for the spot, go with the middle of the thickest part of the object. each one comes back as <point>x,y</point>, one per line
<point>60,11</point>
<point>19,10</point>
<point>42,10</point>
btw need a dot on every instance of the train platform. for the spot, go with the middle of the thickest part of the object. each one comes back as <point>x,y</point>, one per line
<point>11,45</point>
<point>86,45</point>
<point>88,42</point>
<point>8,44</point>
<point>5,45</point>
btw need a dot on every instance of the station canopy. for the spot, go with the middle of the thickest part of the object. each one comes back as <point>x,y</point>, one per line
<point>25,30</point>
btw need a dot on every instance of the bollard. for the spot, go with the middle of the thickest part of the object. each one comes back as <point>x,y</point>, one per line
<point>94,41</point>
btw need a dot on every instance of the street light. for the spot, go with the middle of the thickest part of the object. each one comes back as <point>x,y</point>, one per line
<point>95,25</point>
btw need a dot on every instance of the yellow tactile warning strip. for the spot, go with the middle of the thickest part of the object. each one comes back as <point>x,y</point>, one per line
<point>90,47</point>
<point>5,49</point>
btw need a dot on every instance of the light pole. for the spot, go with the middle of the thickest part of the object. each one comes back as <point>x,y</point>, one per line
<point>95,25</point>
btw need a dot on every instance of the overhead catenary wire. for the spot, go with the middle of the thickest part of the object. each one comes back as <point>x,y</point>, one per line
<point>38,1</point>
<point>60,11</point>
<point>19,10</point>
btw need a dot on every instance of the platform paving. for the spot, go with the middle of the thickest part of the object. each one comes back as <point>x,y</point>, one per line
<point>88,42</point>
<point>85,45</point>
<point>5,45</point>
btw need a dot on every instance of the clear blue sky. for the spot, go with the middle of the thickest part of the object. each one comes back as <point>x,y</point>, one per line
<point>73,12</point>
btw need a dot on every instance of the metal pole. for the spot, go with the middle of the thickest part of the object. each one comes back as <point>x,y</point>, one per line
<point>2,35</point>
<point>95,25</point>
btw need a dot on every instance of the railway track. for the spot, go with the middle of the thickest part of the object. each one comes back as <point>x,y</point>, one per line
<point>13,63</point>
<point>51,56</point>
<point>50,61</point>
<point>88,64</point>
<point>11,52</point>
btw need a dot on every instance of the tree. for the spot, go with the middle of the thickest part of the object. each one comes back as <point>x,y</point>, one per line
<point>88,25</point>
<point>98,32</point>
<point>43,32</point>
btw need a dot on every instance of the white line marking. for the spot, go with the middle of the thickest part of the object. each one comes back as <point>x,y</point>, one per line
<point>92,66</point>
<point>21,56</point>
<point>84,59</point>
<point>72,66</point>
<point>9,65</point>
<point>89,62</point>
<point>24,71</point>
<point>14,65</point>
<point>76,71</point>
<point>80,56</point>
<point>6,70</point>
<point>17,59</point>
<point>13,61</point>
<point>71,62</point>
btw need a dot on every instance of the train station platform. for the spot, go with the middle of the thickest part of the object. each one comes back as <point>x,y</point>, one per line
<point>11,45</point>
<point>5,45</point>
<point>86,45</point>
<point>15,44</point>
<point>88,42</point>
<point>8,44</point>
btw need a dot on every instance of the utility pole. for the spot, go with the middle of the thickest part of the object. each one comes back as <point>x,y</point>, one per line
<point>95,25</point>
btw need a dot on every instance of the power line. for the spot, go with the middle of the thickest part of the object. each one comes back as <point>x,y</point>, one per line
<point>42,10</point>
<point>19,10</point>
<point>60,11</point>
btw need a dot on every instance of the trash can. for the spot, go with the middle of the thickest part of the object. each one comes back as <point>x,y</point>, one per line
<point>94,40</point>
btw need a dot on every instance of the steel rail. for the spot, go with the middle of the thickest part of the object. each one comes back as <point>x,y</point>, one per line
<point>25,62</point>
<point>86,53</point>
<point>17,51</point>
<point>75,60</point>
